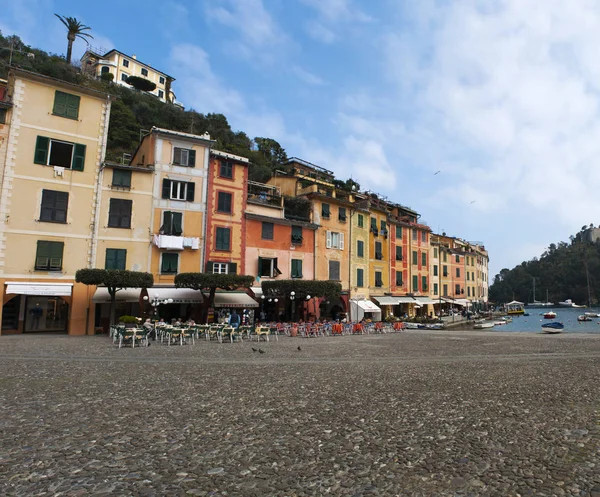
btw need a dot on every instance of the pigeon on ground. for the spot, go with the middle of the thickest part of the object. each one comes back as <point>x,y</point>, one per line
<point>261,351</point>
<point>254,350</point>
<point>299,347</point>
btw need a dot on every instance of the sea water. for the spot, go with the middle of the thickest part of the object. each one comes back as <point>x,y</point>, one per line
<point>564,315</point>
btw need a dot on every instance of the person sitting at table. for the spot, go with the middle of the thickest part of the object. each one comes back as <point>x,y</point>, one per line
<point>190,322</point>
<point>161,322</point>
<point>177,322</point>
<point>149,328</point>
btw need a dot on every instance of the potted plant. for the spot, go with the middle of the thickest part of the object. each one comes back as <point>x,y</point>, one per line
<point>128,321</point>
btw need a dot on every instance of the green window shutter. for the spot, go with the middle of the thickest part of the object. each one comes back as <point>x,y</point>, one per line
<point>359,277</point>
<point>258,272</point>
<point>121,178</point>
<point>360,221</point>
<point>78,157</point>
<point>177,223</point>
<point>177,155</point>
<point>296,268</point>
<point>42,146</point>
<point>169,263</point>
<point>192,158</point>
<point>167,227</point>
<point>424,259</point>
<point>61,206</point>
<point>116,259</point>
<point>60,103</point>
<point>72,111</point>
<point>360,248</point>
<point>166,188</point>
<point>424,283</point>
<point>415,283</point>
<point>209,267</point>
<point>121,259</point>
<point>191,187</point>
<point>232,269</point>
<point>56,255</point>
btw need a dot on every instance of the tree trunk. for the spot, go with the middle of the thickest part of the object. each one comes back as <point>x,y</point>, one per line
<point>113,301</point>
<point>206,304</point>
<point>69,48</point>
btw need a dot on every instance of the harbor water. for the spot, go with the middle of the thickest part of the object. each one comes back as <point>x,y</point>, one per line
<point>564,315</point>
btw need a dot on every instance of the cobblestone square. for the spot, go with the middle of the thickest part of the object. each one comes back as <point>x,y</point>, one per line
<point>411,413</point>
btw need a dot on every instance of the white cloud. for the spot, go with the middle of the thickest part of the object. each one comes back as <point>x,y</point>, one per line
<point>307,77</point>
<point>331,15</point>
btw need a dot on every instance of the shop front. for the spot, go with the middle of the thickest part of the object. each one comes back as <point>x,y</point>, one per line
<point>227,302</point>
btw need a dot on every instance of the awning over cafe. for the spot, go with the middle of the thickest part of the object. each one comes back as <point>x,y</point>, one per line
<point>386,300</point>
<point>124,295</point>
<point>48,289</point>
<point>257,291</point>
<point>234,299</point>
<point>367,306</point>
<point>179,295</point>
<point>426,300</point>
<point>406,300</point>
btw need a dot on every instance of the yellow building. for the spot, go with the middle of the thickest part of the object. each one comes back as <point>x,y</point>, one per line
<point>360,249</point>
<point>121,66</point>
<point>379,247</point>
<point>51,148</point>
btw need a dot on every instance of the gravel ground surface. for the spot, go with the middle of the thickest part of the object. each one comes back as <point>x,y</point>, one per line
<point>413,413</point>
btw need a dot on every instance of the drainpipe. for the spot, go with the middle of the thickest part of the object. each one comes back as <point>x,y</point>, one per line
<point>205,204</point>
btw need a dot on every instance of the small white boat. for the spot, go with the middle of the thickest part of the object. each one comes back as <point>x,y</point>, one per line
<point>592,314</point>
<point>549,315</point>
<point>570,303</point>
<point>483,325</point>
<point>553,327</point>
<point>584,317</point>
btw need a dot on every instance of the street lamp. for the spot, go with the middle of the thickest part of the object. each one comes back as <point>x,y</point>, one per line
<point>156,301</point>
<point>292,298</point>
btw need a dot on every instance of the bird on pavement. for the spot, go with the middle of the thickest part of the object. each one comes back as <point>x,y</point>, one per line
<point>299,347</point>
<point>254,350</point>
<point>261,351</point>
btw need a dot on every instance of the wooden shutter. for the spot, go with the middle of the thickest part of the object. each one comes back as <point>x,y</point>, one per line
<point>191,158</point>
<point>111,259</point>
<point>60,207</point>
<point>167,227</point>
<point>232,269</point>
<point>166,188</point>
<point>113,213</point>
<point>191,187</point>
<point>72,110</point>
<point>209,267</point>
<point>42,146</point>
<point>126,213</point>
<point>359,278</point>
<point>177,155</point>
<point>56,255</point>
<point>276,271</point>
<point>177,223</point>
<point>42,256</point>
<point>60,103</point>
<point>48,203</point>
<point>78,157</point>
<point>259,272</point>
<point>328,244</point>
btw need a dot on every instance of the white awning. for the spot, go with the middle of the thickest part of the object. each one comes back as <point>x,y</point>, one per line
<point>387,300</point>
<point>460,302</point>
<point>257,291</point>
<point>367,306</point>
<point>234,299</point>
<point>179,295</point>
<point>406,300</point>
<point>124,295</point>
<point>49,289</point>
<point>426,300</point>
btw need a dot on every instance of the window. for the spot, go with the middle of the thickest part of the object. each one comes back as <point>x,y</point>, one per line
<point>325,212</point>
<point>66,105</point>
<point>2,116</point>
<point>268,267</point>
<point>468,275</point>
<point>435,288</point>
<point>424,236</point>
<point>361,221</point>
<point>445,270</point>
<point>378,251</point>
<point>297,234</point>
<point>457,289</point>
<point>172,223</point>
<point>119,213</point>
<point>374,229</point>
<point>124,77</point>
<point>473,275</point>
<point>224,202</point>
<point>169,263</point>
<point>125,63</point>
<point>360,248</point>
<point>435,252</point>
<point>424,258</point>
<point>161,80</point>
<point>468,291</point>
<point>121,178</point>
<point>335,240</point>
<point>267,231</point>
<point>49,152</point>
<point>424,283</point>
<point>226,169</point>
<point>458,258</point>
<point>115,259</point>
<point>435,270</point>
<point>445,288</point>
<point>296,268</point>
<point>105,70</point>
<point>399,279</point>
<point>399,253</point>
<point>415,283</point>
<point>415,258</point>
<point>378,280</point>
<point>184,157</point>
<point>54,206</point>
<point>342,214</point>
<point>223,239</point>
<point>161,94</point>
<point>384,230</point>
<point>445,258</point>
<point>178,190</point>
<point>220,268</point>
<point>458,272</point>
<point>398,231</point>
<point>334,270</point>
<point>49,256</point>
<point>360,278</point>
<point>415,234</point>
<point>144,71</point>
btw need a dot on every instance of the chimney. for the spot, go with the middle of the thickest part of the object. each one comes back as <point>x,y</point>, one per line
<point>134,56</point>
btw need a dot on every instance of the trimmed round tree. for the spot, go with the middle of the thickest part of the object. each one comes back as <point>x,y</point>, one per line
<point>141,84</point>
<point>114,280</point>
<point>208,282</point>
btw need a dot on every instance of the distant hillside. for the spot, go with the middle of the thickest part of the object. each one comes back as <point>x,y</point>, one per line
<point>561,270</point>
<point>134,111</point>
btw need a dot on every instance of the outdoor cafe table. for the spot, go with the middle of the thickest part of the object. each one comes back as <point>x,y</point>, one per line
<point>337,328</point>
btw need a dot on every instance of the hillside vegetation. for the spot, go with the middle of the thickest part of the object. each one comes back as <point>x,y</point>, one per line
<point>563,270</point>
<point>135,112</point>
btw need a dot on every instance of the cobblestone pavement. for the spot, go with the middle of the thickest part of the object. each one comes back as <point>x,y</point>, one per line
<point>413,413</point>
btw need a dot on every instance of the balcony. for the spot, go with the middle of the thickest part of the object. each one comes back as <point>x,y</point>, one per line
<point>171,242</point>
<point>260,193</point>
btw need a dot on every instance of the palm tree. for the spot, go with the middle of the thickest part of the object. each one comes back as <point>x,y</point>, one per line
<point>75,30</point>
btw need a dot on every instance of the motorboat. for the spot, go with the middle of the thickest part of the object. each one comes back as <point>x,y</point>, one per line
<point>515,308</point>
<point>570,303</point>
<point>553,327</point>
<point>592,314</point>
<point>549,315</point>
<point>584,317</point>
<point>483,325</point>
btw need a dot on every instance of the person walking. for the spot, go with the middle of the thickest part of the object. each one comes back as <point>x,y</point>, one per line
<point>234,319</point>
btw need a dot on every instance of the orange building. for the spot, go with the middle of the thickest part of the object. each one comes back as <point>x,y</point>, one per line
<point>226,223</point>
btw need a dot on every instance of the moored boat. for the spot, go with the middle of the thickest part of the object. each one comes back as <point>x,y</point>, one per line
<point>515,308</point>
<point>483,325</point>
<point>553,327</point>
<point>583,317</point>
<point>592,314</point>
<point>549,315</point>
<point>570,303</point>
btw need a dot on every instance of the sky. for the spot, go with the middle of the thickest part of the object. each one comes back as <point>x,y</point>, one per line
<point>481,115</point>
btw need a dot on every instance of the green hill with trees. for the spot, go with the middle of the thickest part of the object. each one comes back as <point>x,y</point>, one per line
<point>564,270</point>
<point>135,112</point>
